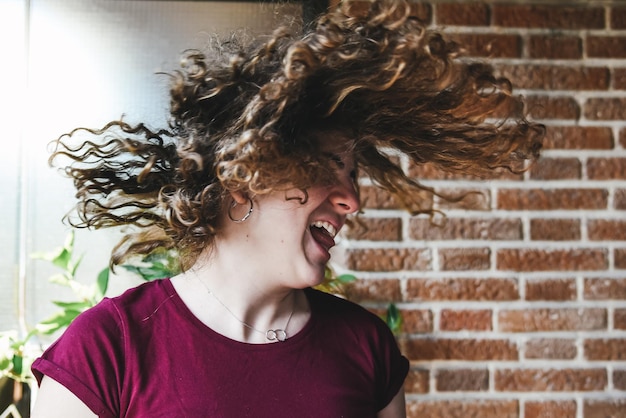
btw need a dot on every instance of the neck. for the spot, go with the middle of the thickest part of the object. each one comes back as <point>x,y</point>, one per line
<point>247,305</point>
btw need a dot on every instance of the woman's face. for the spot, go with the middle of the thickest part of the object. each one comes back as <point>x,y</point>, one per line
<point>293,239</point>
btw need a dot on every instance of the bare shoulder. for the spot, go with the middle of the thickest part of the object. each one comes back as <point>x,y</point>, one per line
<point>55,400</point>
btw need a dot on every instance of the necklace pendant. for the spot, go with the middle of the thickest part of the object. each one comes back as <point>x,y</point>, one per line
<point>276,335</point>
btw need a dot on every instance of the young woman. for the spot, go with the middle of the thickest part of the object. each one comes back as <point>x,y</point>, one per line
<point>251,183</point>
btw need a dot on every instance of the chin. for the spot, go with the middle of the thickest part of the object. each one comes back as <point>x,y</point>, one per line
<point>313,278</point>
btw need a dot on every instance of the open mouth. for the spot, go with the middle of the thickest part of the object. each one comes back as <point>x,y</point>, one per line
<point>324,233</point>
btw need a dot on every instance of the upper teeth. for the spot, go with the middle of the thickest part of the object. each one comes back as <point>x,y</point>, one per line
<point>327,226</point>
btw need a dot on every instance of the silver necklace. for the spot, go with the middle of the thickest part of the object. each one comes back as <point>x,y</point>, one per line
<point>277,334</point>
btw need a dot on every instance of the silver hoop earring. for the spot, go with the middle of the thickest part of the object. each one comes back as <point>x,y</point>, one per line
<point>242,219</point>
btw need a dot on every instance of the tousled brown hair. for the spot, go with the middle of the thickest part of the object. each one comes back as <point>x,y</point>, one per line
<point>245,116</point>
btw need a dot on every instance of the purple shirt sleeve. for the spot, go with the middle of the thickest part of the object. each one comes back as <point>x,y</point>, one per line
<point>88,359</point>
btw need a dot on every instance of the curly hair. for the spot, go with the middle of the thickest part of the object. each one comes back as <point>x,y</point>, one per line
<point>245,116</point>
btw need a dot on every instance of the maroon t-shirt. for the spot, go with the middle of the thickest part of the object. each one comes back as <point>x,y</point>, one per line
<point>144,354</point>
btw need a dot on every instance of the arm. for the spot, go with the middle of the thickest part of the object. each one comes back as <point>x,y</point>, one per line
<point>396,408</point>
<point>55,401</point>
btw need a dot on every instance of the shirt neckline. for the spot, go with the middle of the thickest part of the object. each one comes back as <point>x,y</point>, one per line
<point>216,336</point>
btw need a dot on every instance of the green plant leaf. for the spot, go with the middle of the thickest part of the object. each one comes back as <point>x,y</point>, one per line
<point>73,265</point>
<point>60,257</point>
<point>60,278</point>
<point>73,306</point>
<point>393,318</point>
<point>150,272</point>
<point>346,278</point>
<point>102,283</point>
<point>63,259</point>
<point>57,321</point>
<point>18,362</point>
<point>156,265</point>
<point>5,362</point>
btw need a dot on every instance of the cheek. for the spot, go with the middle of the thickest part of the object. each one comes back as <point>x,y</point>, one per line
<point>316,195</point>
<point>296,196</point>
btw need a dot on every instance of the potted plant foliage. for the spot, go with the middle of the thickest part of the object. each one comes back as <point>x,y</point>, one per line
<point>18,350</point>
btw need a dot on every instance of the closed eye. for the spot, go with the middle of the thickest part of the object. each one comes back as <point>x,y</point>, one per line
<point>341,166</point>
<point>337,160</point>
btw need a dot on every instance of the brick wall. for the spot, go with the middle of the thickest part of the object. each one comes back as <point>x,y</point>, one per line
<point>516,306</point>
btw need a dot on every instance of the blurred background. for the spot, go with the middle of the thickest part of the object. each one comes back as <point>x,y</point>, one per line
<point>515,307</point>
<point>71,63</point>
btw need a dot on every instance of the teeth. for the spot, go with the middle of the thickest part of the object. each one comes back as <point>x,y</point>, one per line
<point>327,226</point>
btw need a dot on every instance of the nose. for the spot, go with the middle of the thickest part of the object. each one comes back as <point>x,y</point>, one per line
<point>344,198</point>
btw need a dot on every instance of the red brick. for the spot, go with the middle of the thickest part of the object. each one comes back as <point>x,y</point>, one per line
<point>550,348</point>
<point>578,137</point>
<point>606,408</point>
<point>605,289</point>
<point>416,321</point>
<point>388,259</point>
<point>556,169</point>
<point>464,259</point>
<point>619,78</point>
<point>618,17</point>
<point>619,379</point>
<point>606,168</point>
<point>550,107</point>
<point>467,229</point>
<point>465,380</point>
<point>607,230</point>
<point>548,16</point>
<point>417,381</point>
<point>375,229</point>
<point>620,199</point>
<point>462,14</point>
<point>555,229</point>
<point>605,349</point>
<point>422,11</point>
<point>489,45</point>
<point>555,47</point>
<point>602,108</point>
<point>550,380</point>
<point>619,256</point>
<point>550,409</point>
<point>459,349</point>
<point>463,409</point>
<point>606,46</point>
<point>619,319</point>
<point>557,289</point>
<point>622,137</point>
<point>564,319</point>
<point>555,77</point>
<point>373,290</point>
<point>552,199</point>
<point>429,171</point>
<point>555,260</point>
<point>459,320</point>
<point>462,289</point>
<point>376,198</point>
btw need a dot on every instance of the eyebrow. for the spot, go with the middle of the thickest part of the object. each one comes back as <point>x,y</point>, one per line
<point>339,161</point>
<point>336,159</point>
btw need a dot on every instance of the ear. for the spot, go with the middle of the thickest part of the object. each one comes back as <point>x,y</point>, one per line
<point>239,197</point>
